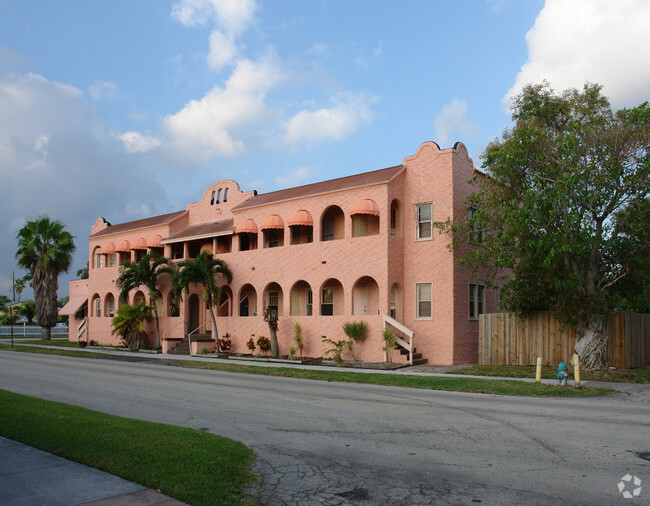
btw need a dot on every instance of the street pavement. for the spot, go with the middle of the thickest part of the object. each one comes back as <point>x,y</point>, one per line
<point>28,476</point>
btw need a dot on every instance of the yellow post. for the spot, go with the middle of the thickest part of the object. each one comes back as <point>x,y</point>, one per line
<point>576,369</point>
<point>538,373</point>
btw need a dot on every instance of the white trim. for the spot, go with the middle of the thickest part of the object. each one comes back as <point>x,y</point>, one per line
<point>417,221</point>
<point>417,309</point>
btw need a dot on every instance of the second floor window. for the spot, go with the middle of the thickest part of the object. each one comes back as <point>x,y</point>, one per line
<point>425,221</point>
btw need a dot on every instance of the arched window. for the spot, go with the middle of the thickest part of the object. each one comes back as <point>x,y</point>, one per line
<point>332,224</point>
<point>301,299</point>
<point>109,306</point>
<point>218,197</point>
<point>138,298</point>
<point>273,298</point>
<point>173,305</point>
<point>395,227</point>
<point>247,301</point>
<point>331,298</point>
<point>225,302</point>
<point>212,199</point>
<point>365,296</point>
<point>225,195</point>
<point>96,305</point>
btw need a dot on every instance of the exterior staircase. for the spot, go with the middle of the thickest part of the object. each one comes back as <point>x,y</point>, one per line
<point>182,348</point>
<point>417,357</point>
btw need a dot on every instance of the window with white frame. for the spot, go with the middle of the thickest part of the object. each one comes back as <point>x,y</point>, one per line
<point>100,260</point>
<point>424,300</point>
<point>476,301</point>
<point>98,306</point>
<point>111,260</point>
<point>425,220</point>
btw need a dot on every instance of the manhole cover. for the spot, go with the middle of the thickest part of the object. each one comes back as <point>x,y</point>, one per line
<point>644,455</point>
<point>357,493</point>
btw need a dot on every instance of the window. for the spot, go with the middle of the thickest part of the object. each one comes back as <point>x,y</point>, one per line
<point>177,251</point>
<point>327,302</point>
<point>393,302</point>
<point>425,221</point>
<point>225,195</point>
<point>274,237</point>
<point>309,303</point>
<point>272,302</point>
<point>359,225</point>
<point>174,308</point>
<point>111,260</point>
<point>98,306</point>
<point>328,230</point>
<point>476,301</point>
<point>110,306</point>
<point>475,234</point>
<point>100,261</point>
<point>212,199</point>
<point>423,300</point>
<point>139,253</point>
<point>247,241</point>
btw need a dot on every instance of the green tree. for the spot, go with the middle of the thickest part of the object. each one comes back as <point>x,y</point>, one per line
<point>560,208</point>
<point>143,272</point>
<point>4,300</point>
<point>202,270</point>
<point>83,273</point>
<point>45,249</point>
<point>27,309</point>
<point>19,286</point>
<point>130,325</point>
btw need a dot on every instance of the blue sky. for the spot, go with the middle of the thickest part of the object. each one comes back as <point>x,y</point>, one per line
<point>127,109</point>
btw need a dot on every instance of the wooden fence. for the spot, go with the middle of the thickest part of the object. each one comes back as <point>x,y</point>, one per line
<point>505,339</point>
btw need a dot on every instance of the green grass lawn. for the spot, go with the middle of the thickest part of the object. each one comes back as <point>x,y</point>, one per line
<point>64,351</point>
<point>192,466</point>
<point>52,342</point>
<point>500,387</point>
<point>640,375</point>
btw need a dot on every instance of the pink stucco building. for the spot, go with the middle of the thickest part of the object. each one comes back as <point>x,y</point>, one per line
<point>355,248</point>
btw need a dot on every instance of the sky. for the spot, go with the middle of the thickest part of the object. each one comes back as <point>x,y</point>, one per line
<point>132,108</point>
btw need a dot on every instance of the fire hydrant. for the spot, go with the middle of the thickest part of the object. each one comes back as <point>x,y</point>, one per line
<point>562,373</point>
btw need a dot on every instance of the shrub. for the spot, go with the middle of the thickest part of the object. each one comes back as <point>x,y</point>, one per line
<point>389,342</point>
<point>297,337</point>
<point>251,345</point>
<point>337,350</point>
<point>292,353</point>
<point>356,332</point>
<point>82,344</point>
<point>203,350</point>
<point>264,344</point>
<point>225,344</point>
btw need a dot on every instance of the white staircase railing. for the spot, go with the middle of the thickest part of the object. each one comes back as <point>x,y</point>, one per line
<point>408,346</point>
<point>189,336</point>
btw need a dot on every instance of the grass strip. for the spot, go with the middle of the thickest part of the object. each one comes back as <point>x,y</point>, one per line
<point>640,375</point>
<point>64,343</point>
<point>64,351</point>
<point>499,387</point>
<point>192,466</point>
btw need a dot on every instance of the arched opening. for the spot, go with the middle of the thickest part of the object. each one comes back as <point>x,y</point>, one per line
<point>331,298</point>
<point>247,231</point>
<point>97,258</point>
<point>218,197</point>
<point>225,302</point>
<point>174,308</point>
<point>225,195</point>
<point>332,224</point>
<point>395,219</point>
<point>96,305</point>
<point>193,306</point>
<point>273,230</point>
<point>301,225</point>
<point>138,298</point>
<point>273,298</point>
<point>212,199</point>
<point>109,305</point>
<point>247,301</point>
<point>365,218</point>
<point>301,299</point>
<point>365,296</point>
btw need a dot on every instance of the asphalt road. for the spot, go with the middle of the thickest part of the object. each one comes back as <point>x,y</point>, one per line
<point>335,443</point>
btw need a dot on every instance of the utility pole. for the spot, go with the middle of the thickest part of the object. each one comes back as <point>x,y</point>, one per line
<point>11,308</point>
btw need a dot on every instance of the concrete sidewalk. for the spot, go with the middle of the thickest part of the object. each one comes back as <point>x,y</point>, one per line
<point>33,477</point>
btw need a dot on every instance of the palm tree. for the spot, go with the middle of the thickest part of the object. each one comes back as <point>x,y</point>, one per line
<point>202,270</point>
<point>129,324</point>
<point>45,249</point>
<point>28,310</point>
<point>143,272</point>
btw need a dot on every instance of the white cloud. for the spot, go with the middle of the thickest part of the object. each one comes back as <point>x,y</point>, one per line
<point>349,111</point>
<point>599,41</point>
<point>219,123</point>
<point>294,178</point>
<point>58,158</point>
<point>103,89</point>
<point>135,142</point>
<point>230,17</point>
<point>453,122</point>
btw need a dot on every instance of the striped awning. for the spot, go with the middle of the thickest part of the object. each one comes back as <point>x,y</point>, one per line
<point>123,246</point>
<point>365,206</point>
<point>140,243</point>
<point>109,249</point>
<point>273,221</point>
<point>246,227</point>
<point>301,217</point>
<point>154,242</point>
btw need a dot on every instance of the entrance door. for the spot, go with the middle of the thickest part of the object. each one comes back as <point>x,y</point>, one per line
<point>295,303</point>
<point>360,300</point>
<point>194,313</point>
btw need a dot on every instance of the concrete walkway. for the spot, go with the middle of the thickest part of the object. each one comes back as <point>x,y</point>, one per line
<point>33,477</point>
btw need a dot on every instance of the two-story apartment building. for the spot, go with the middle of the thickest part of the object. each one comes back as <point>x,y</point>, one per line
<point>361,247</point>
